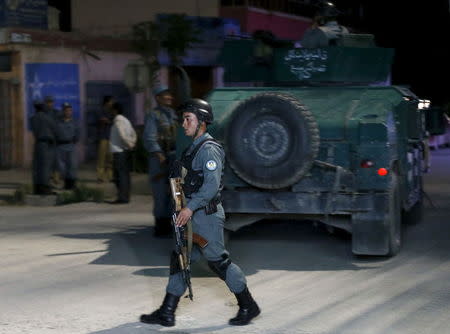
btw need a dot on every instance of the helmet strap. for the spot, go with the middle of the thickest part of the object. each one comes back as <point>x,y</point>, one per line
<point>197,130</point>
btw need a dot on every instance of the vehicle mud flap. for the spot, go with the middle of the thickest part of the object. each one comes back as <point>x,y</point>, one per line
<point>379,232</point>
<point>369,236</point>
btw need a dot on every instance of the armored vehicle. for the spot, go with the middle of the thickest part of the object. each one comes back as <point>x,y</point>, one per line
<point>319,134</point>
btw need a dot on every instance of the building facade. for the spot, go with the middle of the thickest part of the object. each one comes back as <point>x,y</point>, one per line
<point>89,62</point>
<point>113,18</point>
<point>70,69</point>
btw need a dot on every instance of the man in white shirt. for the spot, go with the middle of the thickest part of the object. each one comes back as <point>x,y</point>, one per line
<point>121,141</point>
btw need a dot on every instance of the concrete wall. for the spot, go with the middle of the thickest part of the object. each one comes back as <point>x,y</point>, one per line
<point>106,17</point>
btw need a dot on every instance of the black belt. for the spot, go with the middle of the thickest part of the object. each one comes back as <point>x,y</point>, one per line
<point>211,207</point>
<point>62,142</point>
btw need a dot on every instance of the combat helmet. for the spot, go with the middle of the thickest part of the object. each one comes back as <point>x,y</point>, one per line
<point>200,108</point>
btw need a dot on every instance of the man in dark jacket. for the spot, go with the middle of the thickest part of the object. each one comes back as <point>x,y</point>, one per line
<point>49,108</point>
<point>45,134</point>
<point>159,141</point>
<point>104,156</point>
<point>65,151</point>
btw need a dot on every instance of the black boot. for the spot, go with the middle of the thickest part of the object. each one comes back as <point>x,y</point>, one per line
<point>165,315</point>
<point>248,309</point>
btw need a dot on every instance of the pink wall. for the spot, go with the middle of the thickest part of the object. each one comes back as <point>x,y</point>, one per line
<point>282,25</point>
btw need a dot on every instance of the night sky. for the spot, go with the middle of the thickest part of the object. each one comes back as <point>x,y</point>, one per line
<point>419,32</point>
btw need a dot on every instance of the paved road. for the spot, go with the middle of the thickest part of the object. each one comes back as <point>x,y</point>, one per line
<point>93,268</point>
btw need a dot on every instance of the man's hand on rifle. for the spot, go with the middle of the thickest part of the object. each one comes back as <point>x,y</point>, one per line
<point>183,216</point>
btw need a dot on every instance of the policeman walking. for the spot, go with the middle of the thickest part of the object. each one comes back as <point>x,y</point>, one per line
<point>65,150</point>
<point>159,141</point>
<point>45,134</point>
<point>204,162</point>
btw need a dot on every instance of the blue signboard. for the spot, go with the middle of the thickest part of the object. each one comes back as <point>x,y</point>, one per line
<point>24,13</point>
<point>211,32</point>
<point>58,80</point>
<point>209,29</point>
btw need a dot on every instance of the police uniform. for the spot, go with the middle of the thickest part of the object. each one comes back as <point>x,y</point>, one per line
<point>65,150</point>
<point>53,113</point>
<point>209,217</point>
<point>204,163</point>
<point>159,136</point>
<point>45,133</point>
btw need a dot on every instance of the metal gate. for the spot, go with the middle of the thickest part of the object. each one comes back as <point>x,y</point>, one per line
<point>6,139</point>
<point>95,90</point>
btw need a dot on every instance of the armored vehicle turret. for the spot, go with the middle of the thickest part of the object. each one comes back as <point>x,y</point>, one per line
<point>320,134</point>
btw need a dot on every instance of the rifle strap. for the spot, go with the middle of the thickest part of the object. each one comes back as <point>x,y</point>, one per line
<point>189,240</point>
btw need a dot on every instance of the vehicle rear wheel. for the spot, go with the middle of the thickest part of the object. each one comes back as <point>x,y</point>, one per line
<point>272,140</point>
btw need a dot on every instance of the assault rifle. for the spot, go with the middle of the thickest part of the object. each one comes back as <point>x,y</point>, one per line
<point>181,251</point>
<point>183,241</point>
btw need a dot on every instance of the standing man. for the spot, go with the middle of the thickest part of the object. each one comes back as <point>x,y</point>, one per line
<point>49,106</point>
<point>159,141</point>
<point>122,141</point>
<point>65,150</point>
<point>204,162</point>
<point>45,134</point>
<point>104,157</point>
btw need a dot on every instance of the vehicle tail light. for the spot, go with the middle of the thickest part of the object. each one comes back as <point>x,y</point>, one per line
<point>382,171</point>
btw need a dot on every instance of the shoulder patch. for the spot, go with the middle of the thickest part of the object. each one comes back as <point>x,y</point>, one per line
<point>211,165</point>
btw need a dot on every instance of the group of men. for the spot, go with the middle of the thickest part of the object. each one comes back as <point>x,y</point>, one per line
<point>56,134</point>
<point>203,162</point>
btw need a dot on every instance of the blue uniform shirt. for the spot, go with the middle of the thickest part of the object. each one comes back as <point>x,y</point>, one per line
<point>69,133</point>
<point>210,160</point>
<point>44,126</point>
<point>156,123</point>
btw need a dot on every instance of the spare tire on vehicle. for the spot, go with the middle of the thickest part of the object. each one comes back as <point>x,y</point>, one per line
<point>271,140</point>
